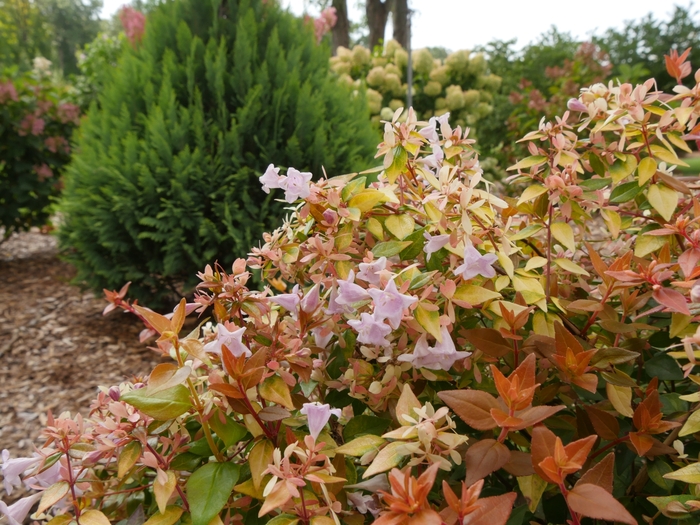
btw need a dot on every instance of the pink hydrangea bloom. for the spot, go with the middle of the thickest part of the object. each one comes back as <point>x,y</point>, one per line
<point>44,172</point>
<point>371,331</point>
<point>69,113</point>
<point>435,243</point>
<point>389,304</point>
<point>134,23</point>
<point>439,357</point>
<point>8,92</point>
<point>476,264</point>
<point>233,340</point>
<point>317,416</point>
<point>325,22</point>
<point>369,272</point>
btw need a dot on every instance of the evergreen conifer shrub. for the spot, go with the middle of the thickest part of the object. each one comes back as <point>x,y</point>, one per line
<point>165,176</point>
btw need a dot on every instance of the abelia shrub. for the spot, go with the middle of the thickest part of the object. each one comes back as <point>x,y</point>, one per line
<point>424,351</point>
<point>37,117</point>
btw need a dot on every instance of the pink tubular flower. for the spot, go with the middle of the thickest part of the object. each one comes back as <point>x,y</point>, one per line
<point>575,104</point>
<point>271,178</point>
<point>349,292</point>
<point>312,299</point>
<point>476,264</point>
<point>369,272</point>
<point>440,357</point>
<point>233,340</point>
<point>296,185</point>
<point>12,469</point>
<point>371,331</point>
<point>17,512</point>
<point>430,131</point>
<point>317,416</point>
<point>334,307</point>
<point>435,243</point>
<point>288,301</point>
<point>389,304</point>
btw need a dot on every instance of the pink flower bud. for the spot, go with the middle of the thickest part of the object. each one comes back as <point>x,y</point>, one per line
<point>575,104</point>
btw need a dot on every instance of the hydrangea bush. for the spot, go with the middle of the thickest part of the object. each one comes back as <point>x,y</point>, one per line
<point>37,117</point>
<point>424,352</point>
<point>460,84</point>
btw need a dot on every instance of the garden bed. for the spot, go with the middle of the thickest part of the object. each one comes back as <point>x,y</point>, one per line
<point>56,348</point>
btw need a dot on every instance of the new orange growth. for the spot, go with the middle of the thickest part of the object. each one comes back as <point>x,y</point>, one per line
<point>408,501</point>
<point>647,420</point>
<point>572,360</point>
<point>566,459</point>
<point>487,511</point>
<point>676,65</point>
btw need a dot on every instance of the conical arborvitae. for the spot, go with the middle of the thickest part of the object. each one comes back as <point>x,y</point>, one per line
<point>165,175</point>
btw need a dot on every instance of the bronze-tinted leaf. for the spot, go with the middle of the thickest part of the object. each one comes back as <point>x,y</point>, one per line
<point>492,511</point>
<point>472,406</point>
<point>605,424</point>
<point>595,502</point>
<point>489,341</point>
<point>601,474</point>
<point>483,458</point>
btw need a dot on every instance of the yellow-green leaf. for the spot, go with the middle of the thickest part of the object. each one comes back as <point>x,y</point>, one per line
<point>400,226</point>
<point>128,458</point>
<point>528,162</point>
<point>375,228</point>
<point>474,295</point>
<point>361,445</point>
<point>163,405</point>
<point>622,168</point>
<point>613,221</point>
<point>692,425</point>
<point>429,319</point>
<point>533,488</point>
<point>93,517</point>
<point>667,156</point>
<point>163,491</point>
<point>564,234</point>
<point>647,169</point>
<point>570,266</point>
<point>387,458</point>
<point>531,289</point>
<point>52,495</point>
<point>663,199</point>
<point>169,517</point>
<point>646,244</point>
<point>621,399</point>
<point>259,458</point>
<point>531,192</point>
<point>406,404</point>
<point>274,389</point>
<point>689,474</point>
<point>366,200</point>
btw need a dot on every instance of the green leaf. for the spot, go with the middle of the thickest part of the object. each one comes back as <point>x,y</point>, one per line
<point>208,490</point>
<point>595,184</point>
<point>352,188</point>
<point>664,367</point>
<point>229,432</point>
<point>186,461</point>
<point>163,405</point>
<point>416,247</point>
<point>360,425</point>
<point>625,192</point>
<point>622,168</point>
<point>526,232</point>
<point>657,469</point>
<point>389,248</point>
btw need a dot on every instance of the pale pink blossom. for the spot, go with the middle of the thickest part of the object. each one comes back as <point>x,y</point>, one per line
<point>434,161</point>
<point>350,293</point>
<point>12,469</point>
<point>435,243</point>
<point>322,335</point>
<point>369,272</point>
<point>18,511</point>
<point>334,307</point>
<point>439,357</point>
<point>312,299</point>
<point>48,477</point>
<point>371,331</point>
<point>288,301</point>
<point>389,304</point>
<point>317,416</point>
<point>476,264</point>
<point>363,503</point>
<point>271,178</point>
<point>233,340</point>
<point>296,185</point>
<point>695,292</point>
<point>430,131</point>
<point>575,104</point>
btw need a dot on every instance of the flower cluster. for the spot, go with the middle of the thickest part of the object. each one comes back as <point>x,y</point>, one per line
<point>418,337</point>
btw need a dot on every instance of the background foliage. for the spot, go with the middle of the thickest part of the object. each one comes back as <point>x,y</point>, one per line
<point>165,173</point>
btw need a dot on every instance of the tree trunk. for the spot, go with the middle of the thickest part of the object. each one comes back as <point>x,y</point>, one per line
<point>377,13</point>
<point>341,30</point>
<point>400,20</point>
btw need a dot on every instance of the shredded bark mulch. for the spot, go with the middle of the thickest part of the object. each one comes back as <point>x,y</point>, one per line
<point>56,348</point>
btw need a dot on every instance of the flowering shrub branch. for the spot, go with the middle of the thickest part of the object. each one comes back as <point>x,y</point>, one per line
<point>419,337</point>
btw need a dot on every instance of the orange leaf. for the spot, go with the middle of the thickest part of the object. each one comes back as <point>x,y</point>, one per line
<point>520,464</point>
<point>472,406</point>
<point>534,415</point>
<point>158,322</point>
<point>578,451</point>
<point>595,502</point>
<point>641,442</point>
<point>492,511</point>
<point>483,458</point>
<point>275,499</point>
<point>543,441</point>
<point>601,474</point>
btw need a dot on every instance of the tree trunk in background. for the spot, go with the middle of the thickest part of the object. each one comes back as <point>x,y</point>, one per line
<point>400,20</point>
<point>341,30</point>
<point>377,13</point>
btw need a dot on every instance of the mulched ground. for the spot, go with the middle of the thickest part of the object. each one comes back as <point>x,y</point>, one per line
<point>56,348</point>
